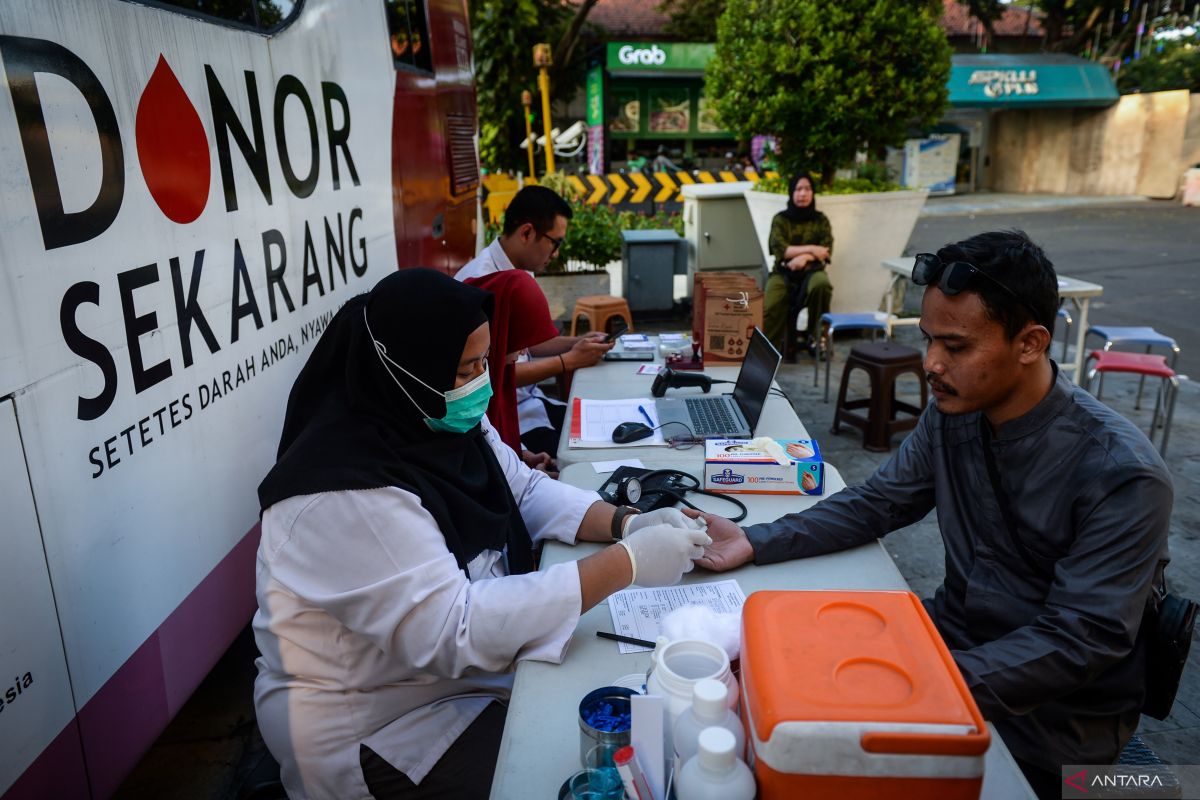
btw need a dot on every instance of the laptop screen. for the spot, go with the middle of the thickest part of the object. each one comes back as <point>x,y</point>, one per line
<point>754,380</point>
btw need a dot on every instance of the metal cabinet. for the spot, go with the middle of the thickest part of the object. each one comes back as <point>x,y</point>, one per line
<point>718,228</point>
<point>649,262</point>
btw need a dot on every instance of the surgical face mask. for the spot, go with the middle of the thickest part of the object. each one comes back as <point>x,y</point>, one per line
<point>465,406</point>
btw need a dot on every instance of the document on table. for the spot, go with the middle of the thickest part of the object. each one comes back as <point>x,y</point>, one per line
<point>636,341</point>
<point>602,467</point>
<point>637,612</point>
<point>592,421</point>
<point>675,341</point>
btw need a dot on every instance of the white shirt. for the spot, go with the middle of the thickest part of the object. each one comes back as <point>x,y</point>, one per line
<point>371,634</point>
<point>531,411</point>
<point>491,259</point>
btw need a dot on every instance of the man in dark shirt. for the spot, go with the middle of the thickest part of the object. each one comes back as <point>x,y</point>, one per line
<point>1053,509</point>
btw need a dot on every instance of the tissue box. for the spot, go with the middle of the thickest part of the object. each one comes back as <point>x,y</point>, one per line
<point>737,466</point>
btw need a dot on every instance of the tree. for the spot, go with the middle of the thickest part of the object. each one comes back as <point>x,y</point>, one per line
<point>987,12</point>
<point>829,79</point>
<point>692,20</point>
<point>505,32</point>
<point>1176,67</point>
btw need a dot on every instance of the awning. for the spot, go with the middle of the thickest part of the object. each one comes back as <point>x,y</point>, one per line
<point>1033,80</point>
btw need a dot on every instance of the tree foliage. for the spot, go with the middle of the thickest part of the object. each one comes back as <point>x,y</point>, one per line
<point>829,79</point>
<point>1176,67</point>
<point>504,33</point>
<point>692,20</point>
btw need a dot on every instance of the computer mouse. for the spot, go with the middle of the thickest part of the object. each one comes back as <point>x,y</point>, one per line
<point>631,432</point>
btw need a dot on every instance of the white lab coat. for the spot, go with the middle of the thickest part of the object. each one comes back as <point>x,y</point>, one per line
<point>371,634</point>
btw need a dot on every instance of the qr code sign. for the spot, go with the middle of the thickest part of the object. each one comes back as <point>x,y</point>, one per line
<point>716,342</point>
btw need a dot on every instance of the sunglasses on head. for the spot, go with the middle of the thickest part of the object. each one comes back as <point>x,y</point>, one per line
<point>955,276</point>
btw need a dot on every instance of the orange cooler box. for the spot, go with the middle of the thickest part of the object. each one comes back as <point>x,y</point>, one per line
<point>854,695</point>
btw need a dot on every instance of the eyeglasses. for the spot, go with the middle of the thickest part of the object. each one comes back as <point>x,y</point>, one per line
<point>952,278</point>
<point>556,242</point>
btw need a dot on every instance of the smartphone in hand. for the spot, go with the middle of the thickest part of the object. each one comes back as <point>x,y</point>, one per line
<point>620,328</point>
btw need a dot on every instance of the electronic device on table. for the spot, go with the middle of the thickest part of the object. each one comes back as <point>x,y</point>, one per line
<point>629,355</point>
<point>648,489</point>
<point>728,416</point>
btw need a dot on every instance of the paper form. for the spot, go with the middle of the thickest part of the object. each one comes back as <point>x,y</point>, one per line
<point>597,418</point>
<point>637,612</point>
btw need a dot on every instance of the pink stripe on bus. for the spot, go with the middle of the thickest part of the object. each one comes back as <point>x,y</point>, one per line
<point>121,721</point>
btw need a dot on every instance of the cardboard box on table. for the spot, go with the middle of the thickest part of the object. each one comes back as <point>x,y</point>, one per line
<point>853,695</point>
<point>727,307</point>
<point>736,466</point>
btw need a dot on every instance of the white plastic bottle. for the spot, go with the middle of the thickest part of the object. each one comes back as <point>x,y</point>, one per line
<point>710,708</point>
<point>675,668</point>
<point>715,772</point>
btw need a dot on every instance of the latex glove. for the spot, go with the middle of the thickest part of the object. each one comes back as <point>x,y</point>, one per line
<point>663,516</point>
<point>660,554</point>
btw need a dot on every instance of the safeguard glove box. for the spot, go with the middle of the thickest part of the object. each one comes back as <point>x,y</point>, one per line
<point>741,466</point>
<point>853,695</point>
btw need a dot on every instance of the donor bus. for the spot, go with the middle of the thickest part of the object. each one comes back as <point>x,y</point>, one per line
<point>185,201</point>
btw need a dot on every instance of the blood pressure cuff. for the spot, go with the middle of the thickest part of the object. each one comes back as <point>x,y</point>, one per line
<point>660,488</point>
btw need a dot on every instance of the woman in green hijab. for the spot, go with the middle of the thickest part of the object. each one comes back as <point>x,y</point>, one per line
<point>801,242</point>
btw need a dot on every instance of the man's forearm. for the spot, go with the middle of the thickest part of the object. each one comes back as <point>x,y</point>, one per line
<point>554,347</point>
<point>898,494</point>
<point>539,369</point>
<point>834,524</point>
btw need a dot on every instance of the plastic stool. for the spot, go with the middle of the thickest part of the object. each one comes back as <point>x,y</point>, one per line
<point>599,309</point>
<point>1125,335</point>
<point>1145,365</point>
<point>830,324</point>
<point>883,362</point>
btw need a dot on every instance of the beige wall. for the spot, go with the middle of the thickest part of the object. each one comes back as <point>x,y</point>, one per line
<point>1141,145</point>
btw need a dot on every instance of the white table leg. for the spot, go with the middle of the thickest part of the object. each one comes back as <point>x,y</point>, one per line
<point>1082,322</point>
<point>891,291</point>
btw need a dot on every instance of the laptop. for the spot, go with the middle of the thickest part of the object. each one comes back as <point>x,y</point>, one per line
<point>732,416</point>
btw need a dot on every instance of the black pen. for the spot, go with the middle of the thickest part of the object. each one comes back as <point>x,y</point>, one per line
<point>616,637</point>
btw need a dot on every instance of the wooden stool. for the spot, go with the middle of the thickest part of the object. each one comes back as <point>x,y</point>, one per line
<point>884,362</point>
<point>599,309</point>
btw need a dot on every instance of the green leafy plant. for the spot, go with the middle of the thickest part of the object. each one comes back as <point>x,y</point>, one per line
<point>504,33</point>
<point>1176,67</point>
<point>561,185</point>
<point>829,79</point>
<point>869,177</point>
<point>659,221</point>
<point>593,237</point>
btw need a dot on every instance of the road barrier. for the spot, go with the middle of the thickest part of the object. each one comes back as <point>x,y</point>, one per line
<point>618,188</point>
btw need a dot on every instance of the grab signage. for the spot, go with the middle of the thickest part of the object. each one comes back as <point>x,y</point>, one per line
<point>658,56</point>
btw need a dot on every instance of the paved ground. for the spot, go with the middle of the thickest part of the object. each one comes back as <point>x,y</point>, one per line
<point>1147,256</point>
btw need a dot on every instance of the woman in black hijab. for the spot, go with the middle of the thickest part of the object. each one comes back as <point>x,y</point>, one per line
<point>801,242</point>
<point>394,573</point>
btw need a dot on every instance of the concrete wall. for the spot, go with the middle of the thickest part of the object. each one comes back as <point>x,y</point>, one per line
<point>1141,145</point>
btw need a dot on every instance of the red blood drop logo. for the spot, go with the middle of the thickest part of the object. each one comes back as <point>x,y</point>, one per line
<point>172,147</point>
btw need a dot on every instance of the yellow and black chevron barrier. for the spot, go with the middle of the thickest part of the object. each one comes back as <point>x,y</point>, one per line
<point>614,189</point>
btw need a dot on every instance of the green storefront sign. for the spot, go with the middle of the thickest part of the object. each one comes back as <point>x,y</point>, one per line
<point>1029,81</point>
<point>658,57</point>
<point>655,90</point>
<point>595,96</point>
